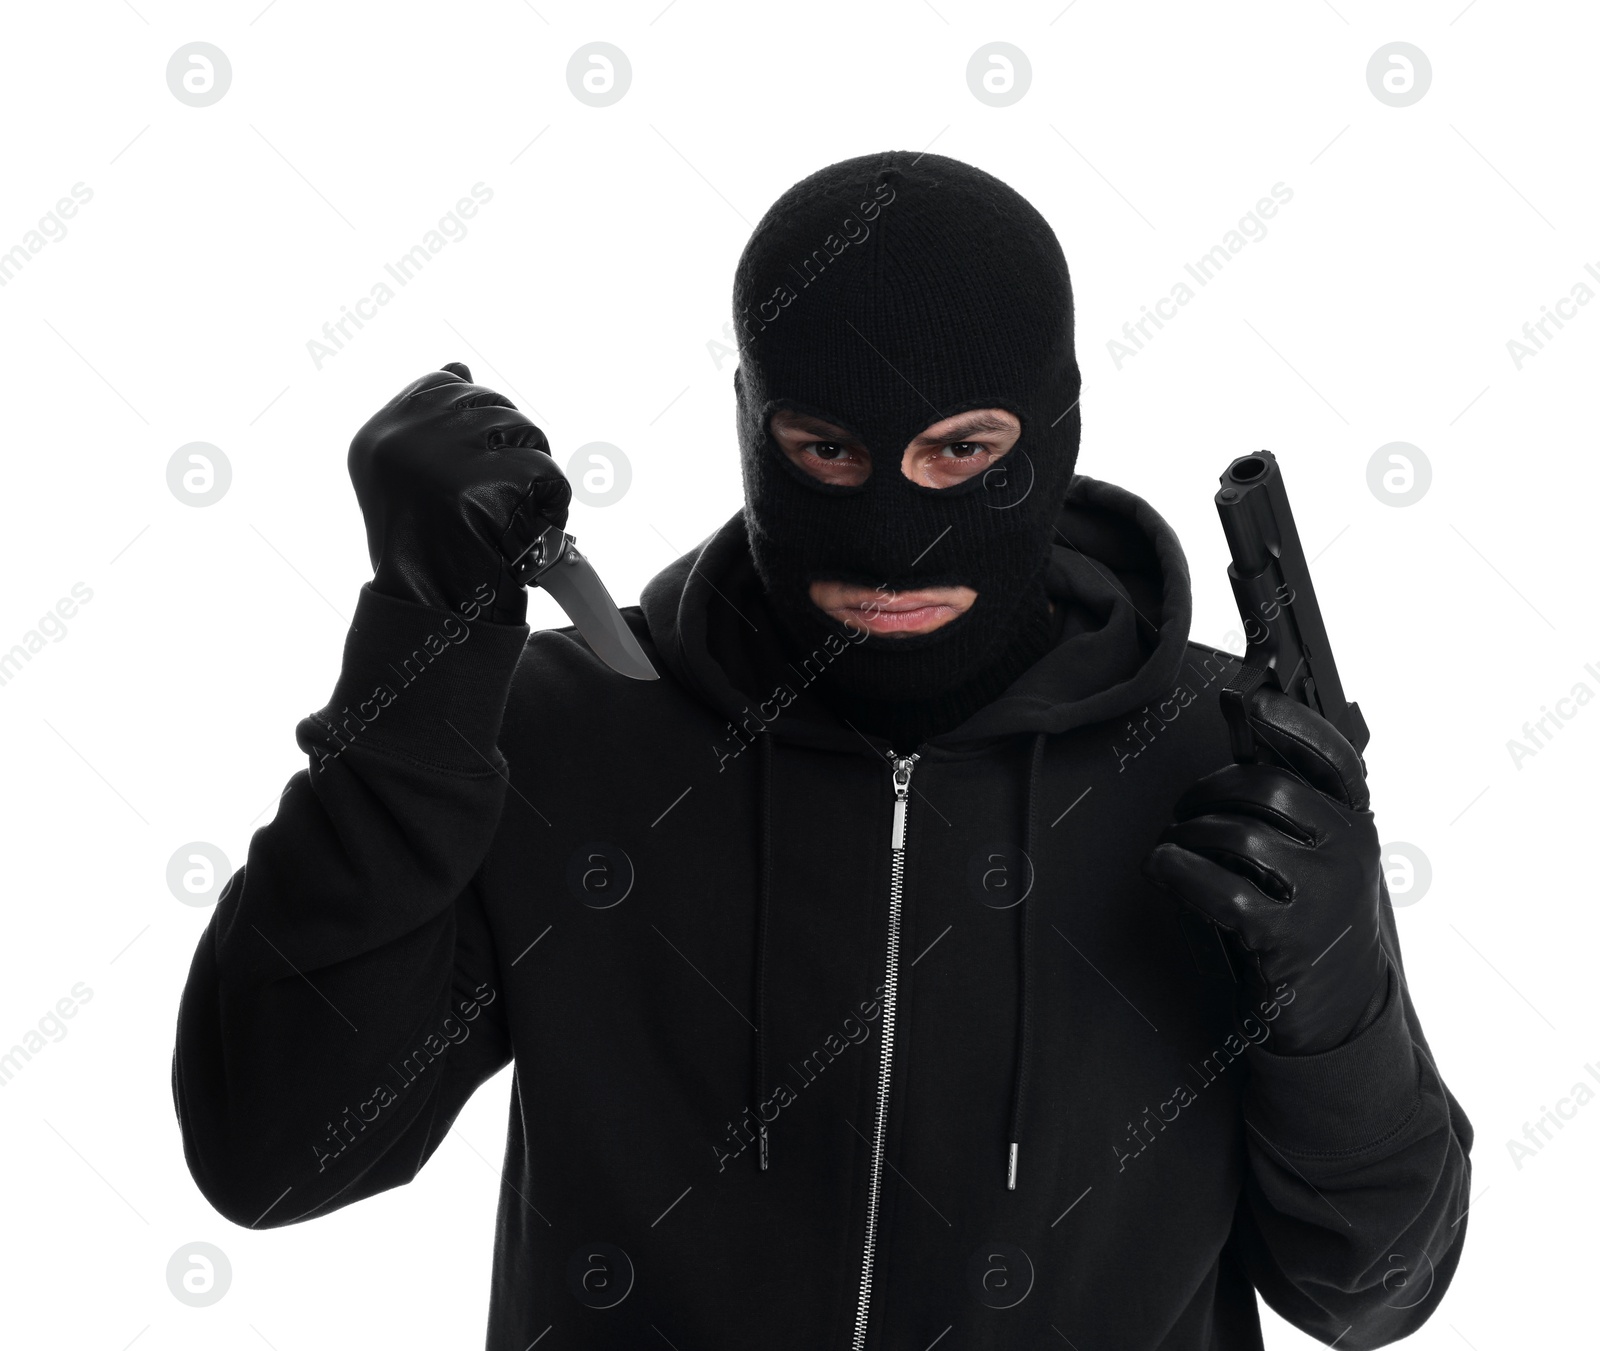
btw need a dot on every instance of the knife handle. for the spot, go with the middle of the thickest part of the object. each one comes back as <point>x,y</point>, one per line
<point>544,553</point>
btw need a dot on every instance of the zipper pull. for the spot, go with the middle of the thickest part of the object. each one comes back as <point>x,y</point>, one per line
<point>902,792</point>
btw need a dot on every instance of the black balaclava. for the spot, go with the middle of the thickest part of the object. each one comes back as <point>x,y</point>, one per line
<point>886,293</point>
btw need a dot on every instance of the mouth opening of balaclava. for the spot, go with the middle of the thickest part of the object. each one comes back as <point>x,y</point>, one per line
<point>884,294</point>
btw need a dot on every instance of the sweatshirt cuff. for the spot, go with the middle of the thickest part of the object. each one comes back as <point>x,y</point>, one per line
<point>422,683</point>
<point>1341,1101</point>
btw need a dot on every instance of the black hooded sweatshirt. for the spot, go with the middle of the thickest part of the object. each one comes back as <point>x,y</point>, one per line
<point>748,1032</point>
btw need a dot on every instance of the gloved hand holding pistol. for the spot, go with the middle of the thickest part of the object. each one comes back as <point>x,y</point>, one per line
<point>1284,856</point>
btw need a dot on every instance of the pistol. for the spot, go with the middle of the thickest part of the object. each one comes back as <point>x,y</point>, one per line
<point>1286,641</point>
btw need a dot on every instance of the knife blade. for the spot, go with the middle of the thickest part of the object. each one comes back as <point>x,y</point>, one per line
<point>553,562</point>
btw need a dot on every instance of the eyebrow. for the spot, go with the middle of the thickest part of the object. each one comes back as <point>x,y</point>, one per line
<point>816,426</point>
<point>966,425</point>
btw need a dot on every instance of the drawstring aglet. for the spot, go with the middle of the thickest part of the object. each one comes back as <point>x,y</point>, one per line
<point>1011,1169</point>
<point>763,1136</point>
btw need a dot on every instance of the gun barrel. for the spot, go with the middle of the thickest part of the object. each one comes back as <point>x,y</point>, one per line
<point>1246,517</point>
<point>1284,630</point>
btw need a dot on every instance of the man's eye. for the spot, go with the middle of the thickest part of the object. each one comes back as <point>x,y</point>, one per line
<point>962,450</point>
<point>828,450</point>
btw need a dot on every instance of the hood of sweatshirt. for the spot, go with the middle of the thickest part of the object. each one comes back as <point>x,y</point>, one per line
<point>1116,570</point>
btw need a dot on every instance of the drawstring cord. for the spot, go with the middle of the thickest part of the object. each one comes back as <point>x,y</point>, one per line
<point>1024,1003</point>
<point>764,827</point>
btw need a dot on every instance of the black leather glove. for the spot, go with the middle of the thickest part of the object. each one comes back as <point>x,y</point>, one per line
<point>454,484</point>
<point>1284,855</point>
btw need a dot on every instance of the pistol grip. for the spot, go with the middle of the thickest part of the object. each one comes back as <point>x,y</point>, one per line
<point>1235,696</point>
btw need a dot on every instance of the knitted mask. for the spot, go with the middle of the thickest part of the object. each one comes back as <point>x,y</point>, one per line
<point>884,294</point>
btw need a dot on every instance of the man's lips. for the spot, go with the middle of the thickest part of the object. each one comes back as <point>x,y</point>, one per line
<point>895,612</point>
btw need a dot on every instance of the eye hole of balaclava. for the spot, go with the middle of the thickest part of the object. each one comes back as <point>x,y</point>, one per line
<point>882,295</point>
<point>833,455</point>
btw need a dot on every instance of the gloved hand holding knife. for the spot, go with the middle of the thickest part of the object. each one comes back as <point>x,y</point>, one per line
<point>461,499</point>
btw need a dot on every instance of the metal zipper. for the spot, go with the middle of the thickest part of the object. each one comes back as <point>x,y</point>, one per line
<point>902,766</point>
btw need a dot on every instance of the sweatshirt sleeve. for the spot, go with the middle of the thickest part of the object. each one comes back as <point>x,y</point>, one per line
<point>342,1006</point>
<point>1355,1200</point>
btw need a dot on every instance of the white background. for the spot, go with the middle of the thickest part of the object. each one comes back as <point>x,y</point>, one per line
<point>220,239</point>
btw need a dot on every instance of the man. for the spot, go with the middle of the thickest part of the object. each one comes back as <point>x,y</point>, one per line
<point>843,969</point>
